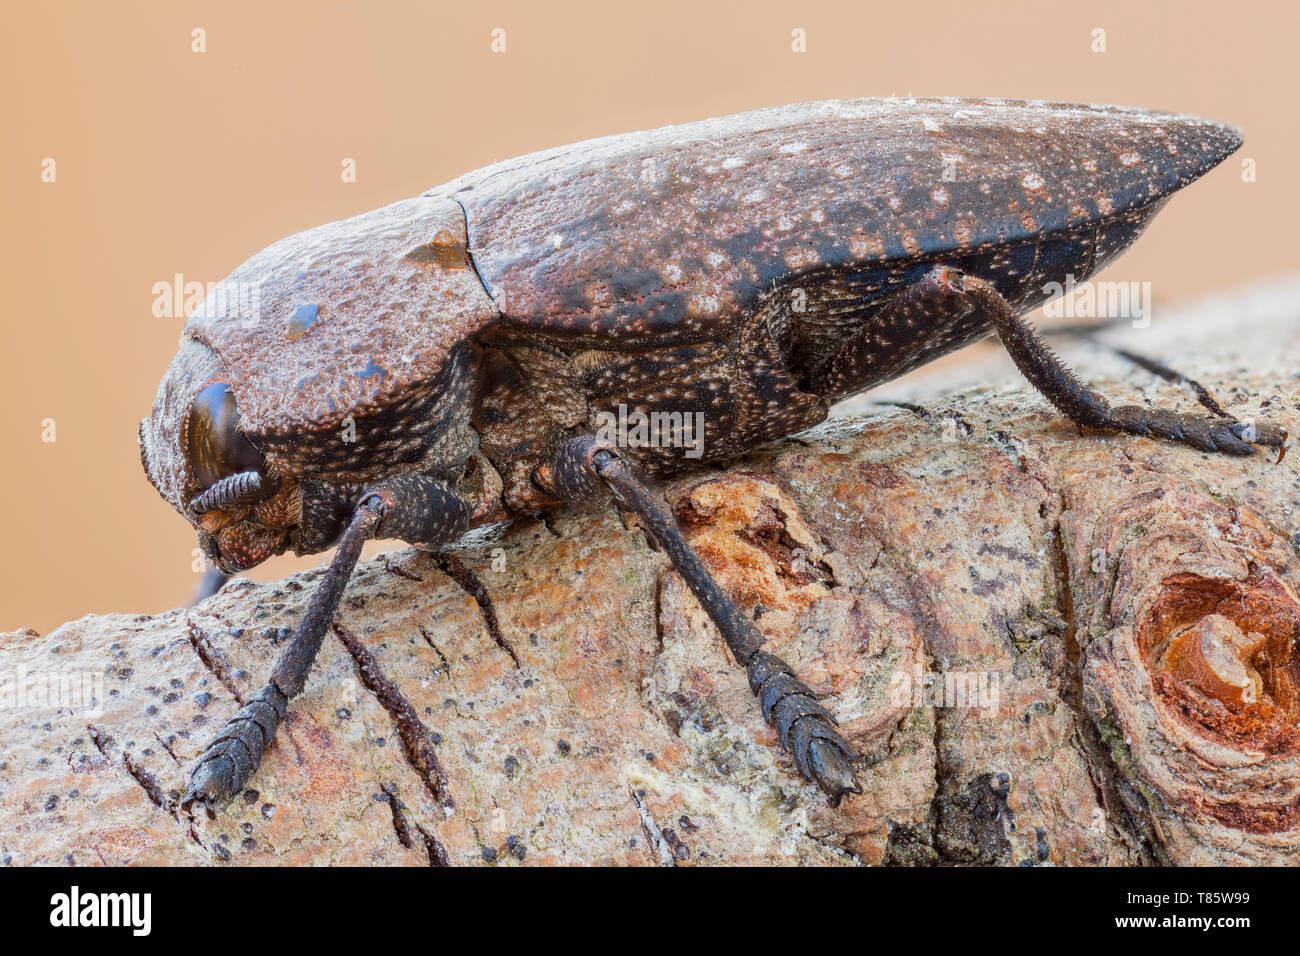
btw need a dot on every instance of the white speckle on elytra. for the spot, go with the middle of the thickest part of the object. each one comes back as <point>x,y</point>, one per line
<point>801,258</point>
<point>939,195</point>
<point>843,170</point>
<point>790,148</point>
<point>556,239</point>
<point>714,258</point>
<point>1032,181</point>
<point>895,203</point>
<point>731,162</point>
<point>703,304</point>
<point>1090,165</point>
<point>1129,157</point>
<point>817,215</point>
<point>673,272</point>
<point>754,195</point>
<point>930,125</point>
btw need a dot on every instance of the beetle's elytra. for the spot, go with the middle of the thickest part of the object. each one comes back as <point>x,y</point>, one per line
<point>449,360</point>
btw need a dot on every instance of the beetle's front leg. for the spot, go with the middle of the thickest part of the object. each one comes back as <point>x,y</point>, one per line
<point>414,508</point>
<point>587,472</point>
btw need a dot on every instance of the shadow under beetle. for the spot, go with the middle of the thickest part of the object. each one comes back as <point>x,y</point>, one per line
<point>441,363</point>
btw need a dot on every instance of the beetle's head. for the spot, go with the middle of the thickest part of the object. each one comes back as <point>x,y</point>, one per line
<point>203,464</point>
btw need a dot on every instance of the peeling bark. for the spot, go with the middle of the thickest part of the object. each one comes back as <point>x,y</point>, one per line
<point>1113,620</point>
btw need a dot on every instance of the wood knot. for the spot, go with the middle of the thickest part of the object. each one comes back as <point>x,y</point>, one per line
<point>1223,656</point>
<point>750,533</point>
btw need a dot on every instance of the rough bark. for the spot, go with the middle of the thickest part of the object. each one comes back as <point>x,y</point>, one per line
<point>1133,605</point>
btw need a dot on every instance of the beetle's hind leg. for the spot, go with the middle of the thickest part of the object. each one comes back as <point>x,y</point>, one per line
<point>587,472</point>
<point>415,508</point>
<point>946,295</point>
<point>1155,367</point>
<point>1084,406</point>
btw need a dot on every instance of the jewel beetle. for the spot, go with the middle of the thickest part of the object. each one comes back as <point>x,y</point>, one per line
<point>456,359</point>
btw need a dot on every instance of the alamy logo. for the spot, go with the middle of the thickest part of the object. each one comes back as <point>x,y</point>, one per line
<point>103,909</point>
<point>21,689</point>
<point>633,428</point>
<point>236,301</point>
<point>976,690</point>
<point>1099,300</point>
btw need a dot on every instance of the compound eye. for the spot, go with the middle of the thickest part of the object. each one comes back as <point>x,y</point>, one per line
<point>217,448</point>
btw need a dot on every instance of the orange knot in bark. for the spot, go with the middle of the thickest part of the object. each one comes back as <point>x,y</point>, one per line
<point>1223,656</point>
<point>1214,657</point>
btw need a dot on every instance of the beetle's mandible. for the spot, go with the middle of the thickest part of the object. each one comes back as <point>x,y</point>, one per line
<point>455,359</point>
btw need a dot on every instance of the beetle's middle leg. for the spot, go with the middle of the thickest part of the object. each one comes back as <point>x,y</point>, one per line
<point>415,508</point>
<point>586,472</point>
<point>946,294</point>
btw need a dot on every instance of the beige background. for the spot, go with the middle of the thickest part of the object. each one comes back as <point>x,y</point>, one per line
<point>169,161</point>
